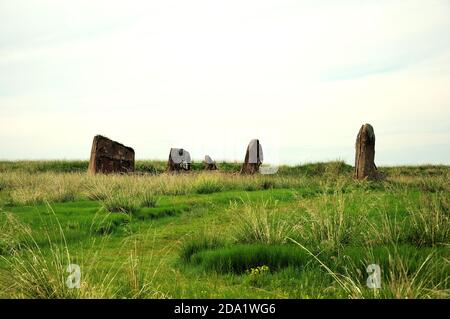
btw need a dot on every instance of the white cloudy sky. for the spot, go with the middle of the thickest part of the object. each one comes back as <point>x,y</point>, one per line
<point>208,76</point>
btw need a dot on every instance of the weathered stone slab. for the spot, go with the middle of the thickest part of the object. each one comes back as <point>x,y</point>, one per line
<point>108,156</point>
<point>209,164</point>
<point>179,160</point>
<point>365,154</point>
<point>253,158</point>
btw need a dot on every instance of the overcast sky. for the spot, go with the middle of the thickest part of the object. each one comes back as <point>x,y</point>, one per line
<point>208,76</point>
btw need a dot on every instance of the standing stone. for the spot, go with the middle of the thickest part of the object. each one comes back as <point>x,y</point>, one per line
<point>253,158</point>
<point>365,154</point>
<point>179,160</point>
<point>108,156</point>
<point>209,164</point>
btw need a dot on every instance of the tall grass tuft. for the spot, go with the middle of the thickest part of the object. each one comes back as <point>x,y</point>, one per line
<point>207,185</point>
<point>199,243</point>
<point>388,229</point>
<point>148,200</point>
<point>404,282</point>
<point>429,221</point>
<point>121,203</point>
<point>327,224</point>
<point>260,223</point>
<point>139,282</point>
<point>33,273</point>
<point>10,239</point>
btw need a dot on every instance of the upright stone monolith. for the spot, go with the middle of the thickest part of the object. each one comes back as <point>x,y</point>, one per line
<point>365,154</point>
<point>253,158</point>
<point>179,160</point>
<point>108,156</point>
<point>209,164</point>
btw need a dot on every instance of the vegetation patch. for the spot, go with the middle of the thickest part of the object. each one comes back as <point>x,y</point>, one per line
<point>111,223</point>
<point>309,231</point>
<point>148,200</point>
<point>159,212</point>
<point>239,258</point>
<point>429,222</point>
<point>208,186</point>
<point>121,204</point>
<point>197,244</point>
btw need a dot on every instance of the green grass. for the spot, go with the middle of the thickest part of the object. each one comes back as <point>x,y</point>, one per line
<point>239,258</point>
<point>200,234</point>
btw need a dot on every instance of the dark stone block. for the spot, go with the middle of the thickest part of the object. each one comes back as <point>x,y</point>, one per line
<point>365,154</point>
<point>108,156</point>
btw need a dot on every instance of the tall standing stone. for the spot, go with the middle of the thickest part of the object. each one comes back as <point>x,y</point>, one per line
<point>365,154</point>
<point>179,160</point>
<point>108,156</point>
<point>253,158</point>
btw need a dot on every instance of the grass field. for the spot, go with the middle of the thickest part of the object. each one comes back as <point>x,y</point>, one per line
<point>310,231</point>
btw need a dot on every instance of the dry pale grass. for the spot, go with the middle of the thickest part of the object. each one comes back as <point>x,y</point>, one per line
<point>36,188</point>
